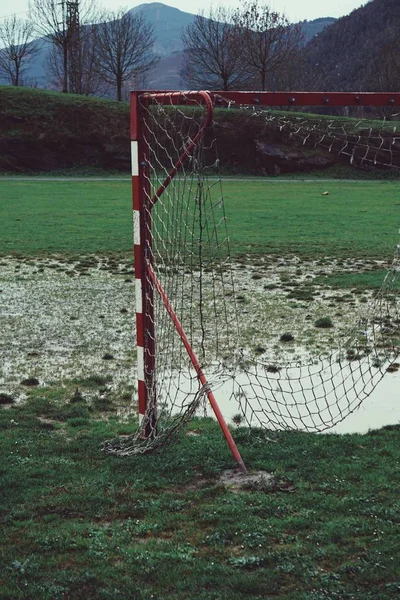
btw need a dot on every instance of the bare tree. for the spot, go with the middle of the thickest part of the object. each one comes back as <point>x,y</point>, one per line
<point>124,48</point>
<point>17,48</point>
<point>269,43</point>
<point>213,56</point>
<point>61,22</point>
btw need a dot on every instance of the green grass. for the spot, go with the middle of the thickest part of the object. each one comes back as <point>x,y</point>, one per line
<point>368,280</point>
<point>42,107</point>
<point>70,216</point>
<point>356,219</point>
<point>79,524</point>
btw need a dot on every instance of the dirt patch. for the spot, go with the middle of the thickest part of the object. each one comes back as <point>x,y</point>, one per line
<point>235,480</point>
<point>258,481</point>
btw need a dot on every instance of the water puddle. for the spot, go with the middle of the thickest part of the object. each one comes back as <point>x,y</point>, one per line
<point>334,400</point>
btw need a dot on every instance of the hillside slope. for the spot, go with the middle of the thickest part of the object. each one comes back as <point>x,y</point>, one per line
<point>341,55</point>
<point>45,131</point>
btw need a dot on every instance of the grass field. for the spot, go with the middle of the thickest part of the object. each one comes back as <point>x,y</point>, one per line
<point>359,219</point>
<point>78,524</point>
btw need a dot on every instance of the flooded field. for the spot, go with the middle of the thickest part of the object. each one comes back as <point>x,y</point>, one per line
<point>64,321</point>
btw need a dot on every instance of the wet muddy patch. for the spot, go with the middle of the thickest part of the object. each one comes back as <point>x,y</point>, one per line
<point>72,319</point>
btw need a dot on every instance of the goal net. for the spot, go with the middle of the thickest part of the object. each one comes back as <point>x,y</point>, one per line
<point>199,336</point>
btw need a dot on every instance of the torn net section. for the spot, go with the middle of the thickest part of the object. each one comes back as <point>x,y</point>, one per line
<point>191,259</point>
<point>366,143</point>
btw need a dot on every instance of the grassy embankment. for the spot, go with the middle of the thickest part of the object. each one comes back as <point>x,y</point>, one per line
<point>49,132</point>
<point>52,133</point>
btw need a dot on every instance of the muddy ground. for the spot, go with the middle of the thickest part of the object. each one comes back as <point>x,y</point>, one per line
<point>64,320</point>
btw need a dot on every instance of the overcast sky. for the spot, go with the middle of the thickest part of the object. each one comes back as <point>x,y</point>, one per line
<point>295,10</point>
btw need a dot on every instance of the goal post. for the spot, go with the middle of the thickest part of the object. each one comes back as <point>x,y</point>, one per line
<point>146,282</point>
<point>172,152</point>
<point>144,198</point>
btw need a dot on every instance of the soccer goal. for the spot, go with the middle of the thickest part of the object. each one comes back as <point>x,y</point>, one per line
<point>192,351</point>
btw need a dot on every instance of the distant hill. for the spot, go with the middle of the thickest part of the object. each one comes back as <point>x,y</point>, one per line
<point>168,25</point>
<point>313,28</point>
<point>340,56</point>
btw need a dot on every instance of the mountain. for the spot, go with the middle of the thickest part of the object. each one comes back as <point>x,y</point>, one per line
<point>168,23</point>
<point>36,74</point>
<point>343,56</point>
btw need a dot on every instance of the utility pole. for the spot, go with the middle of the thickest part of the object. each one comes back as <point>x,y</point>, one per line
<point>64,47</point>
<point>73,46</point>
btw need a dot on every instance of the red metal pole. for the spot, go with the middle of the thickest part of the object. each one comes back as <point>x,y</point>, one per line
<point>391,99</point>
<point>142,206</point>
<point>145,337</point>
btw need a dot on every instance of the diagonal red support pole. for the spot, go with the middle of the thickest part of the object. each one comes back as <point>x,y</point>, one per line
<point>199,370</point>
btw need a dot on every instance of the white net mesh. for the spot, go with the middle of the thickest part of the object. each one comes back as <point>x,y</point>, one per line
<point>364,142</point>
<point>311,389</point>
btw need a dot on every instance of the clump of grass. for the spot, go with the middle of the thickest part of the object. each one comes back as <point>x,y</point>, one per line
<point>94,380</point>
<point>377,362</point>
<point>103,404</point>
<point>324,323</point>
<point>286,337</point>
<point>6,398</point>
<point>304,295</point>
<point>270,286</point>
<point>237,419</point>
<point>259,350</point>
<point>351,354</point>
<point>30,382</point>
<point>77,397</point>
<point>78,422</point>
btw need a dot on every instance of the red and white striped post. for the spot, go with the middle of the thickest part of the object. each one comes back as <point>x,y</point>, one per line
<point>145,280</point>
<point>145,338</point>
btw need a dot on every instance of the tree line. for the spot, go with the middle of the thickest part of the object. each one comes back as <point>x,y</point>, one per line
<point>91,51</point>
<point>252,47</point>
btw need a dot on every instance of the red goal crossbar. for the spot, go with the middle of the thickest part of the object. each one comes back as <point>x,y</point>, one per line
<point>219,98</point>
<point>144,199</point>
